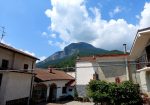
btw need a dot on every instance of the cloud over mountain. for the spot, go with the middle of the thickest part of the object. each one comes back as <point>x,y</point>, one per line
<point>73,23</point>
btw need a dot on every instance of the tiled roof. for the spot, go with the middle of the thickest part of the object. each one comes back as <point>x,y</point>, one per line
<point>90,59</point>
<point>93,58</point>
<point>46,75</point>
<point>112,55</point>
<point>15,50</point>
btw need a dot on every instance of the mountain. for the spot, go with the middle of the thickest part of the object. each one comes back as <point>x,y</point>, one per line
<point>67,57</point>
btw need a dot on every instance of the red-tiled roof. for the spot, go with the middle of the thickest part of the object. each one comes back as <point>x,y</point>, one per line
<point>93,58</point>
<point>46,75</point>
<point>112,55</point>
<point>90,59</point>
<point>15,50</point>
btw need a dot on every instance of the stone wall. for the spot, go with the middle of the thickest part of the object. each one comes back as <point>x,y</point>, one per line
<point>81,90</point>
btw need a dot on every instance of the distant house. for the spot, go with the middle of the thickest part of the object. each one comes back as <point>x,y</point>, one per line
<point>51,85</point>
<point>15,76</point>
<point>110,67</point>
<point>140,53</point>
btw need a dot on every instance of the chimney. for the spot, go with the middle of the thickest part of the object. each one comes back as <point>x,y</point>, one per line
<point>50,70</point>
<point>78,57</point>
<point>94,57</point>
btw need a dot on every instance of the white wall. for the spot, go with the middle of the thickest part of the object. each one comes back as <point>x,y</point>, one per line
<point>84,73</point>
<point>60,84</point>
<point>15,86</point>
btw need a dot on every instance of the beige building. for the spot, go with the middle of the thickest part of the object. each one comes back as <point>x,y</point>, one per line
<point>15,76</point>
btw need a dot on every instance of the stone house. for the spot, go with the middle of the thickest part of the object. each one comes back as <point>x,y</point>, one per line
<point>52,85</point>
<point>15,76</point>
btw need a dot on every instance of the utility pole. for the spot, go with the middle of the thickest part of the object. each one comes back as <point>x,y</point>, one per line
<point>126,61</point>
<point>3,34</point>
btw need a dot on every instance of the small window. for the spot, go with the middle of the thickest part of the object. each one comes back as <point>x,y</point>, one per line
<point>95,76</point>
<point>70,90</point>
<point>64,90</point>
<point>26,66</point>
<point>1,75</point>
<point>5,64</point>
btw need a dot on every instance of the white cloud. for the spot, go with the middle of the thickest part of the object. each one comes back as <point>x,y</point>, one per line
<point>72,22</point>
<point>53,35</point>
<point>145,16</point>
<point>30,53</point>
<point>44,34</point>
<point>42,58</point>
<point>61,45</point>
<point>137,16</point>
<point>50,42</point>
<point>116,10</point>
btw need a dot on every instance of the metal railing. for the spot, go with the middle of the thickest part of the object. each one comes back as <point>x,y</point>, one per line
<point>142,62</point>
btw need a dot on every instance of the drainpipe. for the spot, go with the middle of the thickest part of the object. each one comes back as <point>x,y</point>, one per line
<point>31,85</point>
<point>126,62</point>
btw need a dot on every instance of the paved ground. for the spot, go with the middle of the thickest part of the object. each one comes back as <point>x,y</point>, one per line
<point>70,103</point>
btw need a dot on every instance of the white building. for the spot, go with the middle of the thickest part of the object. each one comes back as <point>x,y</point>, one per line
<point>15,76</point>
<point>102,67</point>
<point>140,53</point>
<point>51,85</point>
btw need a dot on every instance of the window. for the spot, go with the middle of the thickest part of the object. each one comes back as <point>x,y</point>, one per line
<point>64,90</point>
<point>70,90</point>
<point>1,75</point>
<point>5,64</point>
<point>26,66</point>
<point>95,76</point>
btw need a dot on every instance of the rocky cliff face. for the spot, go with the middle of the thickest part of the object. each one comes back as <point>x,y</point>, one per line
<point>73,49</point>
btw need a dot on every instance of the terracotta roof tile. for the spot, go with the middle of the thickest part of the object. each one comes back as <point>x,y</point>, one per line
<point>93,58</point>
<point>46,75</point>
<point>90,58</point>
<point>111,55</point>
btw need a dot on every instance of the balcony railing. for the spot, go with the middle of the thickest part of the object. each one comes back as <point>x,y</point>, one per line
<point>142,62</point>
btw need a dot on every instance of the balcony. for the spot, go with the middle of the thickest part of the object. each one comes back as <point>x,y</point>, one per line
<point>143,61</point>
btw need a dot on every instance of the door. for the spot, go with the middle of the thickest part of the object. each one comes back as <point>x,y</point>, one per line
<point>53,93</point>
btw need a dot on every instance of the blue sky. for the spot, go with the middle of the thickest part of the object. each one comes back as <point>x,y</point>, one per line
<point>42,27</point>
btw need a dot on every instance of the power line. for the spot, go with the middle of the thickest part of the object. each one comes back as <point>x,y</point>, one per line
<point>108,65</point>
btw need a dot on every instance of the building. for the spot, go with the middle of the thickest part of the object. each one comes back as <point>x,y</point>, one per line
<point>15,76</point>
<point>102,67</point>
<point>140,53</point>
<point>52,85</point>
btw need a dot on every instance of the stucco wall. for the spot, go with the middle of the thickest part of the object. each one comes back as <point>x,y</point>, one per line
<point>84,72</point>
<point>60,84</point>
<point>15,86</point>
<point>16,60</point>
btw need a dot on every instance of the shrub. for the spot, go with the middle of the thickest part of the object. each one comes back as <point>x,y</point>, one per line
<point>125,93</point>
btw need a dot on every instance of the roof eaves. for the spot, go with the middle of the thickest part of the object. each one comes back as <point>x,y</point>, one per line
<point>16,50</point>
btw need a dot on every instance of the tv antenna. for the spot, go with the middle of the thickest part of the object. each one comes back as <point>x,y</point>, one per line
<point>3,34</point>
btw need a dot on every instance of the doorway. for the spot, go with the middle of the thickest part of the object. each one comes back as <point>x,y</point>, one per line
<point>53,93</point>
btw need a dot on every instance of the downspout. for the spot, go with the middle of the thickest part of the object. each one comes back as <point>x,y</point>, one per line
<point>126,63</point>
<point>31,85</point>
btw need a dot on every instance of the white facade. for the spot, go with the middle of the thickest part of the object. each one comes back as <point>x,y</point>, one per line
<point>60,84</point>
<point>14,86</point>
<point>84,72</point>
